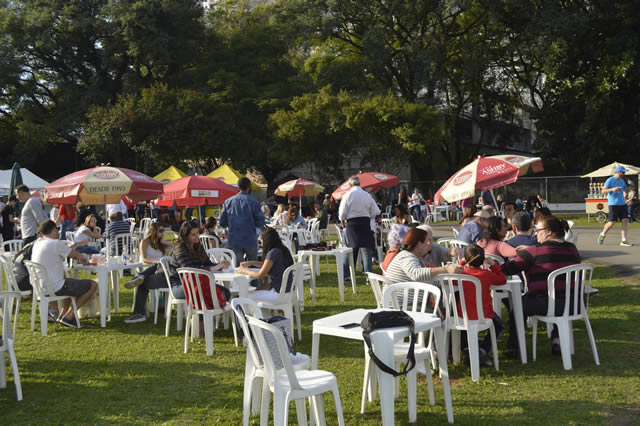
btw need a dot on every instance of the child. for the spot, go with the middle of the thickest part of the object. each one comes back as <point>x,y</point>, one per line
<point>473,259</point>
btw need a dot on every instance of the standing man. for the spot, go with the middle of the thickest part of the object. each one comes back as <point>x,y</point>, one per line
<point>8,219</point>
<point>630,198</point>
<point>357,209</point>
<point>31,216</point>
<point>51,252</point>
<point>614,187</point>
<point>242,215</point>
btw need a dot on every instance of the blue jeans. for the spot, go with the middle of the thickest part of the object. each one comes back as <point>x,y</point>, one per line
<point>87,250</point>
<point>251,252</point>
<point>66,226</point>
<point>365,254</point>
<point>630,212</point>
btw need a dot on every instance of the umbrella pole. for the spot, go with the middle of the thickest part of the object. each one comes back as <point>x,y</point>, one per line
<point>300,205</point>
<point>495,203</point>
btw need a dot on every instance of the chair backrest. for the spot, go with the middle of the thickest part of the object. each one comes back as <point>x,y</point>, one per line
<point>131,220</point>
<point>208,242</point>
<point>296,280</point>
<point>12,246</point>
<point>144,224</point>
<point>70,236</point>
<point>132,227</point>
<point>193,281</point>
<point>342,237</point>
<point>128,244</point>
<point>164,264</point>
<point>387,223</point>
<point>7,267</point>
<point>576,277</point>
<point>444,242</point>
<point>414,296</point>
<point>452,283</point>
<point>458,243</point>
<point>39,279</point>
<point>8,307</point>
<point>498,259</point>
<point>455,232</point>
<point>376,282</point>
<point>258,328</point>
<point>315,230</point>
<point>243,308</point>
<point>310,223</point>
<point>217,255</point>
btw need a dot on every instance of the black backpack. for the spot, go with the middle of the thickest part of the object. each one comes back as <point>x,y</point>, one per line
<point>387,319</point>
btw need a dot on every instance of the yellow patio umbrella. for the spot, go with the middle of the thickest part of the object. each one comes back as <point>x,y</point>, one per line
<point>169,175</point>
<point>230,176</point>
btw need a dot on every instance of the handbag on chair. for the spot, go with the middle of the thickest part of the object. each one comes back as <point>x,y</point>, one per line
<point>388,319</point>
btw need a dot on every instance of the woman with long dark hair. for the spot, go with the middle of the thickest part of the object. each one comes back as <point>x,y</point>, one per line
<point>275,259</point>
<point>401,215</point>
<point>403,197</point>
<point>492,239</point>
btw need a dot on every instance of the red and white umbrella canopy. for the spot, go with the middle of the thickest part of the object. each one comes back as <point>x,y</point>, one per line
<point>299,188</point>
<point>196,191</point>
<point>483,174</point>
<point>524,163</point>
<point>102,185</point>
<point>370,182</point>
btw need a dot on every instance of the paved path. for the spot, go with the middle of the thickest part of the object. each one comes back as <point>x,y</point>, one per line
<point>625,259</point>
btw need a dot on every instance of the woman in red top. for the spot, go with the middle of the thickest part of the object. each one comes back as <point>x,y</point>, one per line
<point>66,217</point>
<point>473,259</point>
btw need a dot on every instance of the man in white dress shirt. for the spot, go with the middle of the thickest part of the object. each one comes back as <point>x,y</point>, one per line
<point>357,208</point>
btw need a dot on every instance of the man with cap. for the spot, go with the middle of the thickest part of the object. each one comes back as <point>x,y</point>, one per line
<point>614,187</point>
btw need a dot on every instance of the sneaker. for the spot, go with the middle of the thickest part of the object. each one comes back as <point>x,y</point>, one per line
<point>133,283</point>
<point>601,239</point>
<point>625,243</point>
<point>136,318</point>
<point>484,358</point>
<point>53,315</point>
<point>69,322</point>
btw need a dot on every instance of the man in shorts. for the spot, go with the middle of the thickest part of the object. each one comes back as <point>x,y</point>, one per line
<point>51,252</point>
<point>614,187</point>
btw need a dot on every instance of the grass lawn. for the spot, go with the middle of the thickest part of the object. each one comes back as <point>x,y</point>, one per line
<point>133,374</point>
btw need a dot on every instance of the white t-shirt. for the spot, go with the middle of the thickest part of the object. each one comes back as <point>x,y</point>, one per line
<point>51,254</point>
<point>80,235</point>
<point>415,199</point>
<point>357,203</point>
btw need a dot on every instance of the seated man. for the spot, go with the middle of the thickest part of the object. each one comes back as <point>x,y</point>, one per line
<point>521,226</point>
<point>51,252</point>
<point>116,226</point>
<point>472,231</point>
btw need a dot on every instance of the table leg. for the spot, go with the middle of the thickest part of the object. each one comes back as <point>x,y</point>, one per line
<point>412,384</point>
<point>516,305</point>
<point>103,290</point>
<point>383,348</point>
<point>352,271</point>
<point>340,267</point>
<point>315,346</point>
<point>444,371</point>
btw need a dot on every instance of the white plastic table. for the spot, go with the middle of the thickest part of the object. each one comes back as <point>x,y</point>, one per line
<point>339,254</point>
<point>237,283</point>
<point>514,288</point>
<point>383,343</point>
<point>103,271</point>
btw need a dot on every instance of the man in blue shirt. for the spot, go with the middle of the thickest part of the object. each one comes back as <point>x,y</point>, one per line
<point>521,226</point>
<point>242,215</point>
<point>614,188</point>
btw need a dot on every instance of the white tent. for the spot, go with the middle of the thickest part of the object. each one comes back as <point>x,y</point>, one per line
<point>30,179</point>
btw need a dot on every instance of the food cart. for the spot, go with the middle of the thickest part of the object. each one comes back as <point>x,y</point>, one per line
<point>596,202</point>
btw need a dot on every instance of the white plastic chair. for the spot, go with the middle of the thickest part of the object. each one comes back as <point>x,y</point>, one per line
<point>145,223</point>
<point>414,297</point>
<point>387,223</point>
<point>12,285</point>
<point>575,308</point>
<point>181,304</point>
<point>455,232</point>
<point>288,384</point>
<point>255,388</point>
<point>450,284</point>
<point>122,245</point>
<point>70,236</point>
<point>287,300</point>
<point>306,276</point>
<point>208,242</point>
<point>8,301</point>
<point>191,279</point>
<point>43,294</point>
<point>217,255</point>
<point>12,246</point>
<point>377,282</point>
<point>570,236</point>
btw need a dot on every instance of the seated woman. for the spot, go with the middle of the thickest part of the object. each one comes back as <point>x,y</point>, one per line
<point>494,233</point>
<point>189,253</point>
<point>294,219</point>
<point>402,216</point>
<point>152,248</point>
<point>537,262</point>
<point>438,254</point>
<point>408,265</point>
<point>85,232</point>
<point>280,215</point>
<point>394,241</point>
<point>275,259</point>
<point>209,229</point>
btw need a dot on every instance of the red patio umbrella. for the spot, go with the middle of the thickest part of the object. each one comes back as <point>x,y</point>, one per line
<point>102,185</point>
<point>370,182</point>
<point>196,191</point>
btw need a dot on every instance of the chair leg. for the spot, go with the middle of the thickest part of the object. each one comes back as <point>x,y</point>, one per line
<point>75,311</point>
<point>34,303</point>
<point>233,327</point>
<point>565,344</point>
<point>168,319</point>
<point>155,306</point>
<point>3,373</point>
<point>298,320</point>
<point>208,333</point>
<point>573,348</point>
<point>592,339</point>
<point>247,392</point>
<point>301,411</point>
<point>455,346</point>
<point>365,381</point>
<point>180,313</point>
<point>474,355</point>
<point>264,404</point>
<point>14,369</point>
<point>280,408</point>
<point>534,326</point>
<point>15,320</point>
<point>432,397</point>
<point>319,407</point>
<point>338,404</point>
<point>186,331</point>
<point>494,347</point>
<point>44,316</point>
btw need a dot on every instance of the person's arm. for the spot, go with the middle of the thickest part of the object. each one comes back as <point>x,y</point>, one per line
<point>374,210</point>
<point>447,269</point>
<point>250,263</point>
<point>258,275</point>
<point>300,221</point>
<point>58,217</point>
<point>342,210</point>
<point>223,216</point>
<point>607,187</point>
<point>91,233</point>
<point>521,263</point>
<point>506,250</point>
